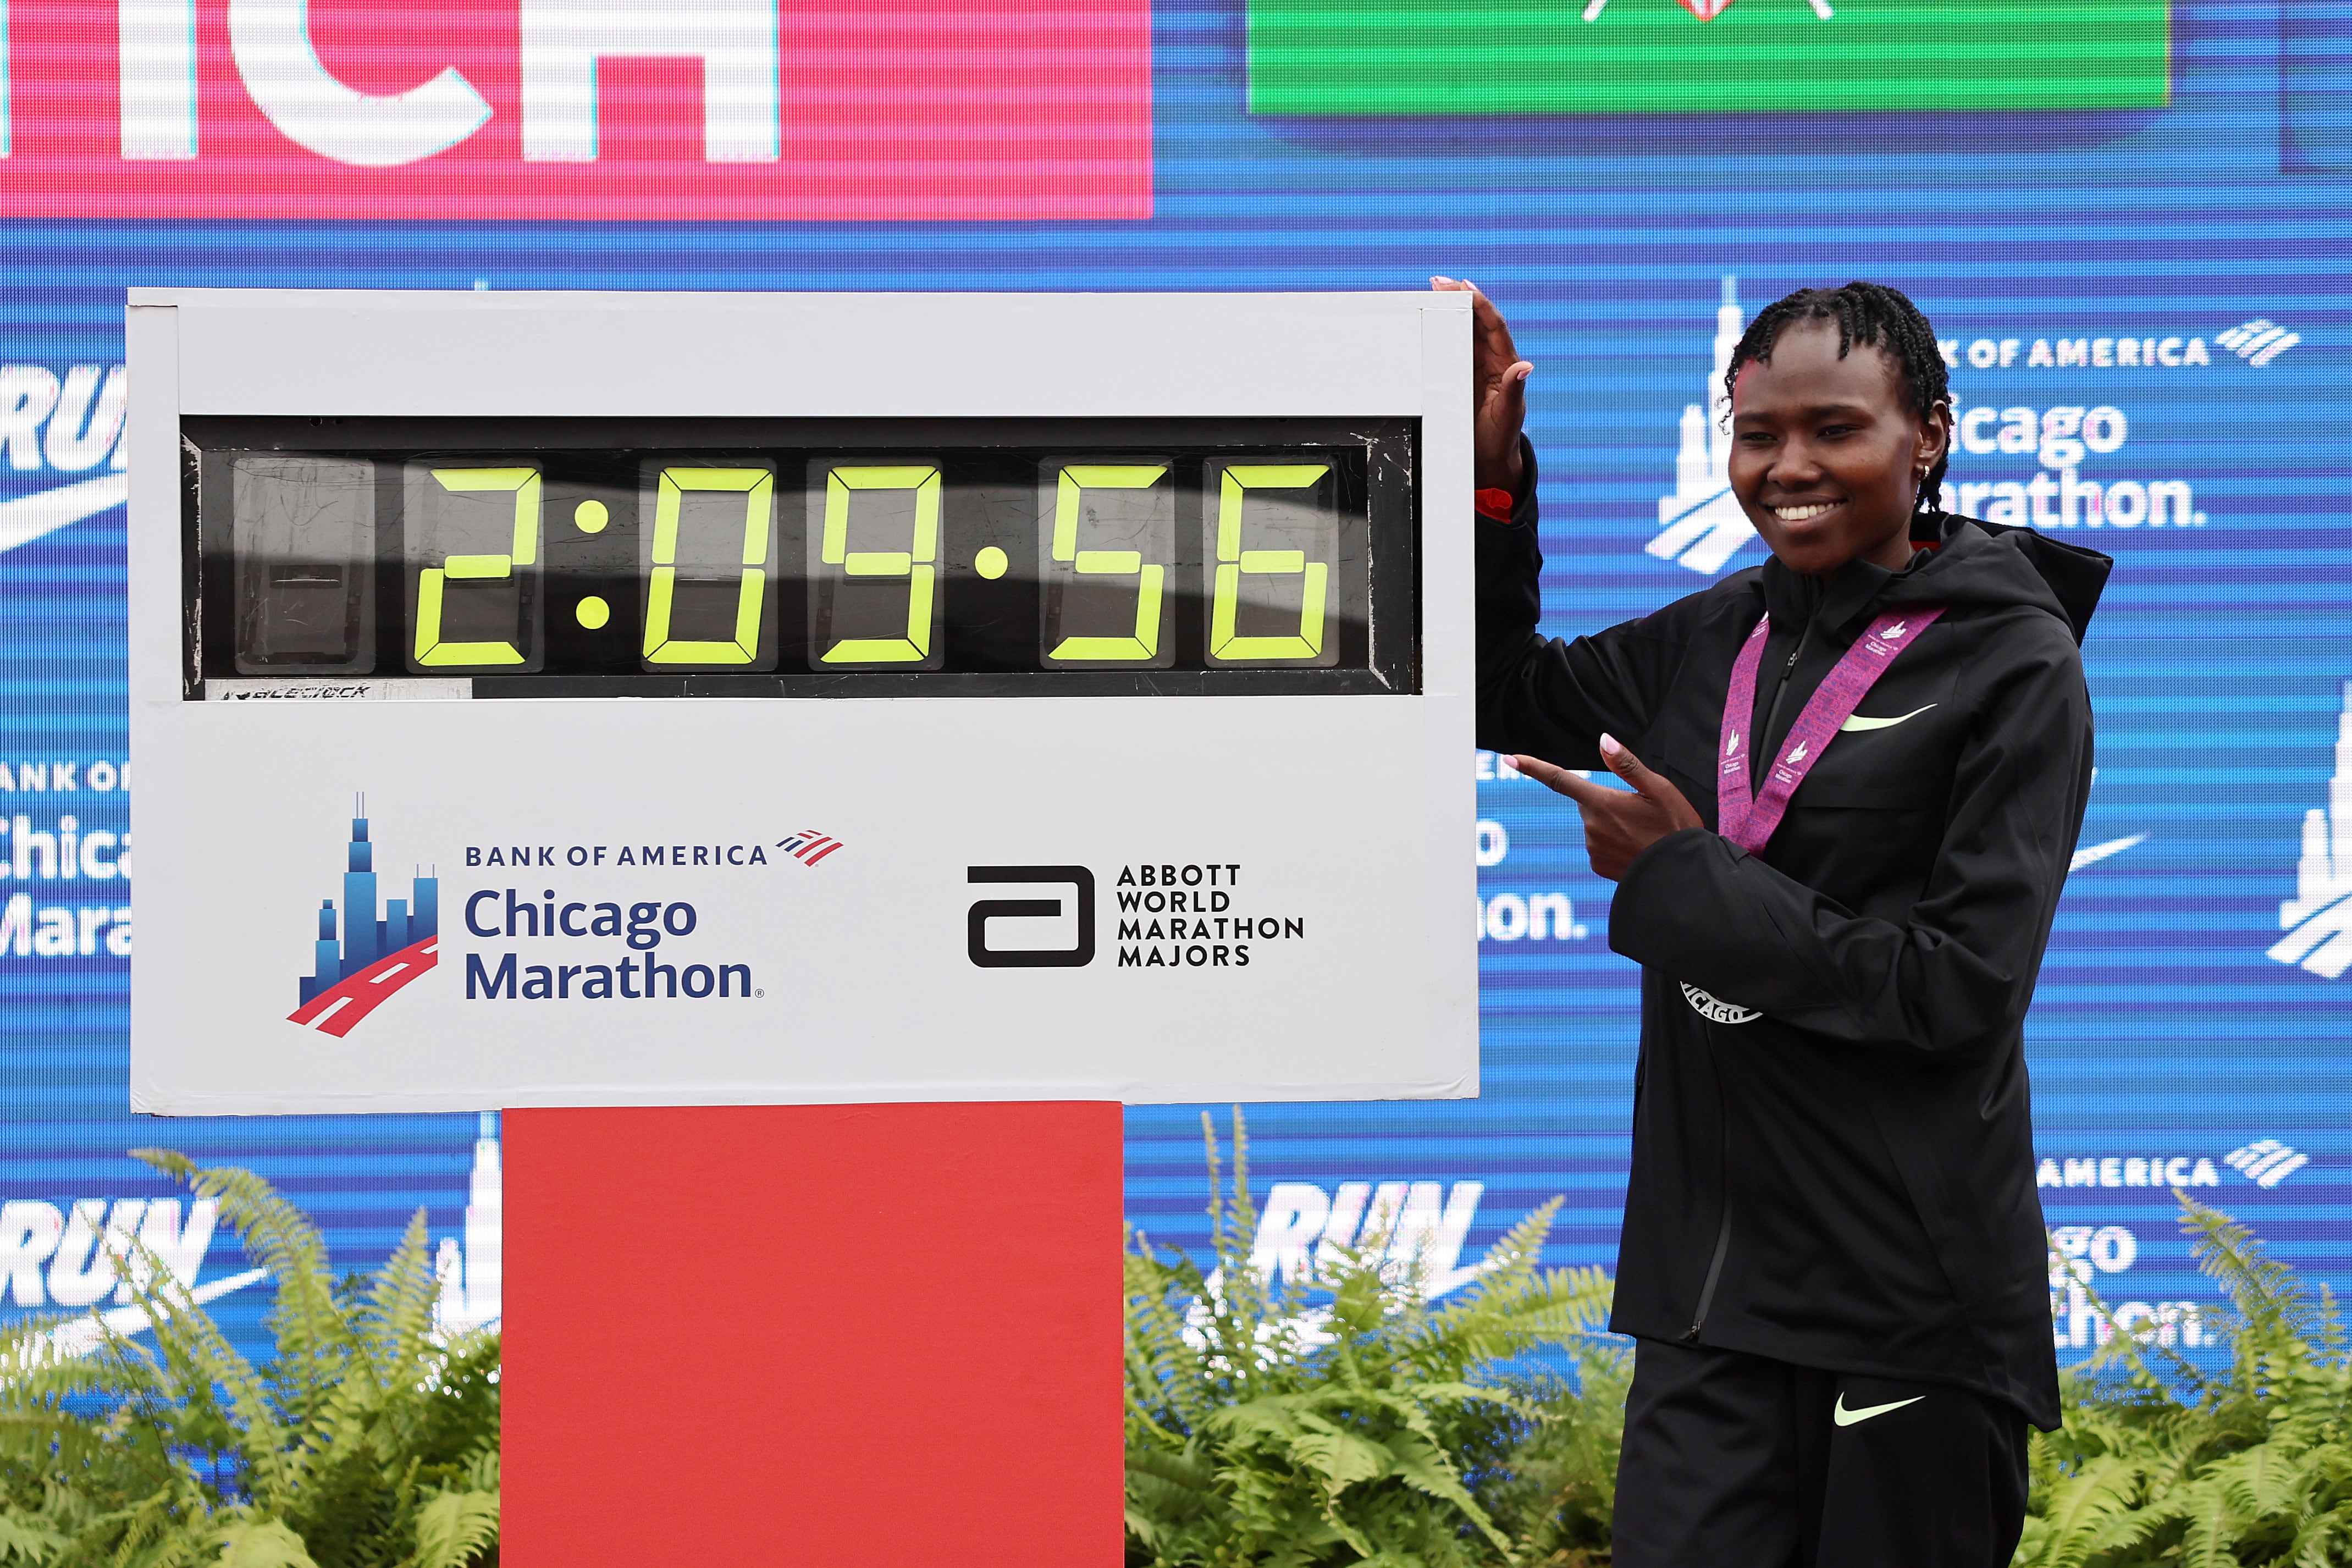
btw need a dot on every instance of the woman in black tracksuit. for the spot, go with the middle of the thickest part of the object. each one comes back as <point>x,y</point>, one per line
<point>1833,1259</point>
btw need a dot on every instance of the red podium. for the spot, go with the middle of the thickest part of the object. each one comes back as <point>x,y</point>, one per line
<point>882,1335</point>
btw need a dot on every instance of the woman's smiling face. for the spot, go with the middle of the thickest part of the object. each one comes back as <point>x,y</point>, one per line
<point>1826,453</point>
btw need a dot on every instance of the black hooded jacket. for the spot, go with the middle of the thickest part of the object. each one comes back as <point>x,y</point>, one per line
<point>1845,1182</point>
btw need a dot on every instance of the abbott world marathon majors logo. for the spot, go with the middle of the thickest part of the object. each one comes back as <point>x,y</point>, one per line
<point>1169,915</point>
<point>2049,463</point>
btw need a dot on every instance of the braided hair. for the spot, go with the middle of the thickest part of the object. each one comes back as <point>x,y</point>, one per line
<point>1865,313</point>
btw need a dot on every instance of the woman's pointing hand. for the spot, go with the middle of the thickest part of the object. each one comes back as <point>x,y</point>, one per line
<point>1618,824</point>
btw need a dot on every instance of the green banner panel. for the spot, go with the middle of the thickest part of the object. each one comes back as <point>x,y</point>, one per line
<point>1700,57</point>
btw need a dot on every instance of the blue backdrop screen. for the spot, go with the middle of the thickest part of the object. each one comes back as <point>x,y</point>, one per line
<point>2146,313</point>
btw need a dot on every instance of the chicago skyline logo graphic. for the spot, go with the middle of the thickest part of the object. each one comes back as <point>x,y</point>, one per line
<point>2318,920</point>
<point>1700,525</point>
<point>379,951</point>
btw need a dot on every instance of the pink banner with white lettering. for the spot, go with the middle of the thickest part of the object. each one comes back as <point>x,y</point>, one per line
<point>577,109</point>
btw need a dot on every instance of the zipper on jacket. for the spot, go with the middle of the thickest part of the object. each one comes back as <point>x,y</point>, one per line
<point>1714,1270</point>
<point>1723,1232</point>
<point>1779,689</point>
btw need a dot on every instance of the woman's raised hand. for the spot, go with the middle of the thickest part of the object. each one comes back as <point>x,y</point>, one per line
<point>1498,384</point>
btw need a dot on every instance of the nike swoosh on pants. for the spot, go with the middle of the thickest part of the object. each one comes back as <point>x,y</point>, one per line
<point>1858,722</point>
<point>1845,1418</point>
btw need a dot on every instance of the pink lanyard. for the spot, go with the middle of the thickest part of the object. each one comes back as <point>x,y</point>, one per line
<point>1749,821</point>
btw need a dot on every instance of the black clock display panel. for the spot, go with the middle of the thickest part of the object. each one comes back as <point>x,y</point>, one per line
<point>806,558</point>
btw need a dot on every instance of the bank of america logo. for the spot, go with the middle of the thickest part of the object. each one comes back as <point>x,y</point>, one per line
<point>2258,342</point>
<point>379,952</point>
<point>2266,1162</point>
<point>808,846</point>
<point>1700,525</point>
<point>2318,920</point>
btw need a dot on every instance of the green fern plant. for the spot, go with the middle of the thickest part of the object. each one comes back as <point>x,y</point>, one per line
<point>2249,1465</point>
<point>1355,1422</point>
<point>366,1443</point>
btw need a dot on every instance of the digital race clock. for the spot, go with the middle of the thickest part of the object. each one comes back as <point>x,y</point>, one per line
<point>689,699</point>
<point>666,558</point>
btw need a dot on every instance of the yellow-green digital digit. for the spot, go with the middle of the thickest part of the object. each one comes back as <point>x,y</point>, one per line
<point>1236,560</point>
<point>758,489</point>
<point>918,565</point>
<point>431,582</point>
<point>1142,644</point>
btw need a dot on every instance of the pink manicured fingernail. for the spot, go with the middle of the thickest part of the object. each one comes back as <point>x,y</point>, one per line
<point>1608,744</point>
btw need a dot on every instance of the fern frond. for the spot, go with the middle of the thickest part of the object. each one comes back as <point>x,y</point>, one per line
<point>313,1340</point>
<point>2269,1299</point>
<point>261,1543</point>
<point>398,1318</point>
<point>27,1539</point>
<point>2263,1480</point>
<point>199,1358</point>
<point>2211,1528</point>
<point>454,1529</point>
<point>2081,1509</point>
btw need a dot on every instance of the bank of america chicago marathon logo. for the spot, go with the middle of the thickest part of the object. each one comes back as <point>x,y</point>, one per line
<point>637,972</point>
<point>1702,528</point>
<point>364,954</point>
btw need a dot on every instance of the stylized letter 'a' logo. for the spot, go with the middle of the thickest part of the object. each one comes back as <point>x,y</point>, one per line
<point>986,910</point>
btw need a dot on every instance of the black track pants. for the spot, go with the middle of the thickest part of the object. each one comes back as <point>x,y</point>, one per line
<point>1735,1461</point>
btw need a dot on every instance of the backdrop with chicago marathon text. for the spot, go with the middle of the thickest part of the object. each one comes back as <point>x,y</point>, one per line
<point>2126,218</point>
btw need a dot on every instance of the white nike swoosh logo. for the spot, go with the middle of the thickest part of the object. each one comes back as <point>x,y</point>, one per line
<point>1858,723</point>
<point>1845,1418</point>
<point>2091,854</point>
<point>27,518</point>
<point>82,1335</point>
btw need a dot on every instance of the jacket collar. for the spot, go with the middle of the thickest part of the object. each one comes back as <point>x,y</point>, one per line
<point>1835,605</point>
<point>1832,605</point>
